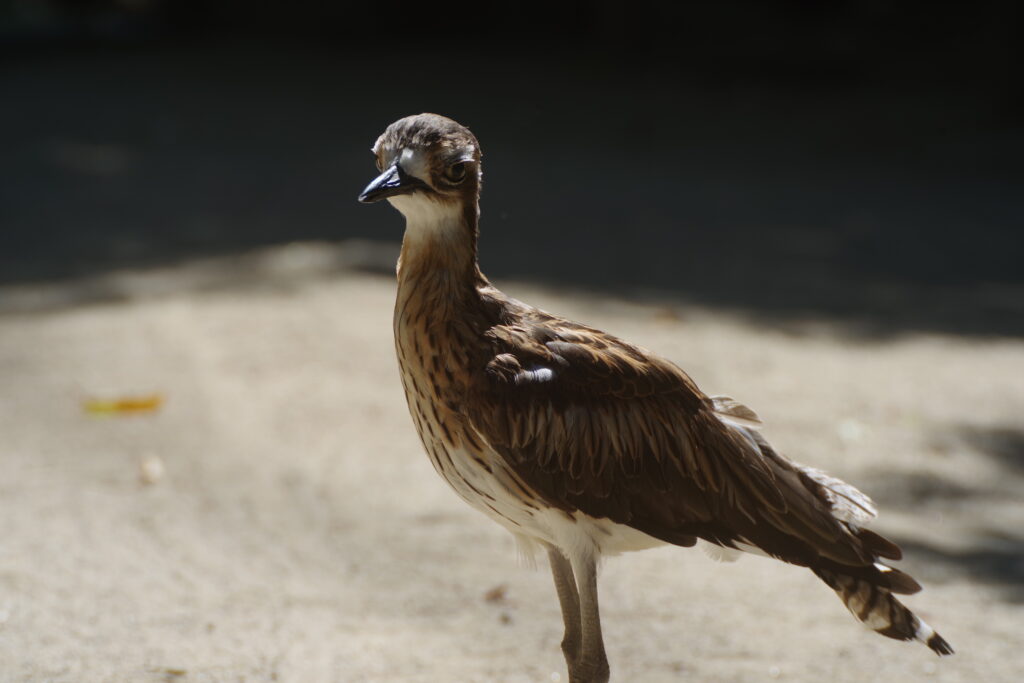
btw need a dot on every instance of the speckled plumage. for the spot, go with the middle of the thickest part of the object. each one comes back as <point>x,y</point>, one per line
<point>583,444</point>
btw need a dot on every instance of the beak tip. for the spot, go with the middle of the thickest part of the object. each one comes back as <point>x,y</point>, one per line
<point>370,195</point>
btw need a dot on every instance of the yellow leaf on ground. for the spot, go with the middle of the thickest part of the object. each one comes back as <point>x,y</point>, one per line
<point>124,405</point>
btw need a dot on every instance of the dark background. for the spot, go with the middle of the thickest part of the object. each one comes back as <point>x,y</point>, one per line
<point>848,161</point>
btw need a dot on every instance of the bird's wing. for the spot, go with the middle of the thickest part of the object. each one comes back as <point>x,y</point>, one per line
<point>595,424</point>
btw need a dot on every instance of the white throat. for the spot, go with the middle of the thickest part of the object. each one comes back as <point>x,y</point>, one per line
<point>427,220</point>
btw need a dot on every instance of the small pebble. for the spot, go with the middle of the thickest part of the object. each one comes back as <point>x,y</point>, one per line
<point>151,470</point>
<point>850,430</point>
<point>496,594</point>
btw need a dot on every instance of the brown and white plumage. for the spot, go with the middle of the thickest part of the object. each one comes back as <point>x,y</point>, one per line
<point>583,443</point>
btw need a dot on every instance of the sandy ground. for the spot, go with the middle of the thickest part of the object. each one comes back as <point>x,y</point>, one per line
<point>298,533</point>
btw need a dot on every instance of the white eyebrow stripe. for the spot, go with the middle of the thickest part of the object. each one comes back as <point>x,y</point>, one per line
<point>415,163</point>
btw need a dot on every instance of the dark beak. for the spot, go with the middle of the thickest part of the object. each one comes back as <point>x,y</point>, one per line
<point>391,182</point>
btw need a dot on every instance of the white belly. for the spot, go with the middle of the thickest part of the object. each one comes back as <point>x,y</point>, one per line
<point>499,494</point>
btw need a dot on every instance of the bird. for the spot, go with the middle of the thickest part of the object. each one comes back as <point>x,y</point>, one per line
<point>584,445</point>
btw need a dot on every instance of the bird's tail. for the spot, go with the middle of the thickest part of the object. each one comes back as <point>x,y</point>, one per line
<point>880,611</point>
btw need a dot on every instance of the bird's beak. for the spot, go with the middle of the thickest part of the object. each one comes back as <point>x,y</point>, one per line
<point>391,182</point>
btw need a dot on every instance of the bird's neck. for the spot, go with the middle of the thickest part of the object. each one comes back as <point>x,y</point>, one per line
<point>437,270</point>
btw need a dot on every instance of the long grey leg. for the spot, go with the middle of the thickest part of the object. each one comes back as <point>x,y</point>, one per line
<point>592,663</point>
<point>569,599</point>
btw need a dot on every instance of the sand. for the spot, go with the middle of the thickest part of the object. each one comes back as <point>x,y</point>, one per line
<point>277,520</point>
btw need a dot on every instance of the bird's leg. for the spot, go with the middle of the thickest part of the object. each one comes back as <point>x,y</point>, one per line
<point>592,664</point>
<point>569,599</point>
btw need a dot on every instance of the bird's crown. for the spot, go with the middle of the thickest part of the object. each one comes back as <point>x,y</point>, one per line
<point>428,132</point>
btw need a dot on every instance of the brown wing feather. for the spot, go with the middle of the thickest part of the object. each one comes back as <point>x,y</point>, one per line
<point>595,424</point>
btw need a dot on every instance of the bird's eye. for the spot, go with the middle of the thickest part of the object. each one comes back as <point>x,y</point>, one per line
<point>456,172</point>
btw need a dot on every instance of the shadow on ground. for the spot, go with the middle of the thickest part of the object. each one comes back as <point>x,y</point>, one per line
<point>887,207</point>
<point>995,559</point>
<point>1003,444</point>
<point>995,552</point>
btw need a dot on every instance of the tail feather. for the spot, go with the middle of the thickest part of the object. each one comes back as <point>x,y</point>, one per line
<point>896,581</point>
<point>879,545</point>
<point>875,606</point>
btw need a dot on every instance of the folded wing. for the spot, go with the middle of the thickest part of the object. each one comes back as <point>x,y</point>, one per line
<point>595,424</point>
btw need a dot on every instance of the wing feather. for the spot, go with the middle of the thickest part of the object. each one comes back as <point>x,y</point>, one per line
<point>594,424</point>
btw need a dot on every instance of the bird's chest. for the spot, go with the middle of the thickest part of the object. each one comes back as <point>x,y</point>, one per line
<point>434,369</point>
<point>433,376</point>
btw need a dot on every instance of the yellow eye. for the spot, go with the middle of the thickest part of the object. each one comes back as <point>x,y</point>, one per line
<point>456,172</point>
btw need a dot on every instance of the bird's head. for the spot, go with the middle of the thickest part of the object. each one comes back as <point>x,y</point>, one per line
<point>428,163</point>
